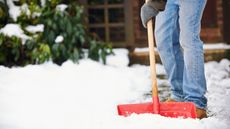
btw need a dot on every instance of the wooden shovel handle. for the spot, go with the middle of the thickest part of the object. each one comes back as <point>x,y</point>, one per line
<point>152,58</point>
<point>156,103</point>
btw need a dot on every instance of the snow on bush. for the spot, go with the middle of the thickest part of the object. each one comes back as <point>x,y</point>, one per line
<point>14,30</point>
<point>35,29</point>
<point>14,10</point>
<point>61,7</point>
<point>59,39</point>
<point>53,35</point>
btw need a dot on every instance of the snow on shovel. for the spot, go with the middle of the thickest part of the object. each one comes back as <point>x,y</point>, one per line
<point>167,109</point>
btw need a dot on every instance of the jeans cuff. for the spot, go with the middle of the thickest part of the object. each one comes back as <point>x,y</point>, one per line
<point>177,98</point>
<point>199,103</point>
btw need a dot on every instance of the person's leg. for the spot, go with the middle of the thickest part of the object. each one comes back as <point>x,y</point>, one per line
<point>167,40</point>
<point>194,83</point>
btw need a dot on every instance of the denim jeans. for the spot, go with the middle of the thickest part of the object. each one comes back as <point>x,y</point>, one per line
<point>177,32</point>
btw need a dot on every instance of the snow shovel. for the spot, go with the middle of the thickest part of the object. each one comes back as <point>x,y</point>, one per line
<point>167,109</point>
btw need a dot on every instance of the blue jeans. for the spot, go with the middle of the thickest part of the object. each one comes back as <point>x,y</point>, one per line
<point>177,32</point>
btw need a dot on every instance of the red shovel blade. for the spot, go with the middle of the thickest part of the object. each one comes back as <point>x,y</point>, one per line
<point>167,109</point>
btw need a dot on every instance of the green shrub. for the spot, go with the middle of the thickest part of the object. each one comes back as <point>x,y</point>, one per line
<point>38,52</point>
<point>70,28</point>
<point>99,51</point>
<point>42,47</point>
<point>10,50</point>
<point>14,53</point>
<point>3,14</point>
<point>69,24</point>
<point>29,19</point>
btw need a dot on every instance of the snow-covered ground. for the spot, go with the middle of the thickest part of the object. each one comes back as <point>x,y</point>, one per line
<point>85,95</point>
<point>208,46</point>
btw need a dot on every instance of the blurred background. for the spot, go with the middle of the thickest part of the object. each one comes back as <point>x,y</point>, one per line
<point>117,22</point>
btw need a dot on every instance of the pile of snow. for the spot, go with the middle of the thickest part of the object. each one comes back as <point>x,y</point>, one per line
<point>35,29</point>
<point>14,30</point>
<point>85,95</point>
<point>218,81</point>
<point>119,59</point>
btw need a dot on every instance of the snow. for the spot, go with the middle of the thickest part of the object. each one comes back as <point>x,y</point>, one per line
<point>35,29</point>
<point>85,95</point>
<point>59,39</point>
<point>146,49</point>
<point>216,46</point>
<point>219,88</point>
<point>14,10</point>
<point>120,59</point>
<point>43,2</point>
<point>24,8</point>
<point>14,30</point>
<point>207,46</point>
<point>61,7</point>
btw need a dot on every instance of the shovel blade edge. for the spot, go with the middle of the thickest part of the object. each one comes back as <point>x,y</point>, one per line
<point>167,109</point>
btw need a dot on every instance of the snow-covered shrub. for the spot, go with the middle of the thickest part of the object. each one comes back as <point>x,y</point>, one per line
<point>3,13</point>
<point>55,32</point>
<point>67,24</point>
<point>29,14</point>
<point>14,53</point>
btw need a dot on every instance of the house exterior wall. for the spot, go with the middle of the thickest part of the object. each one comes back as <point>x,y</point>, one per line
<point>214,34</point>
